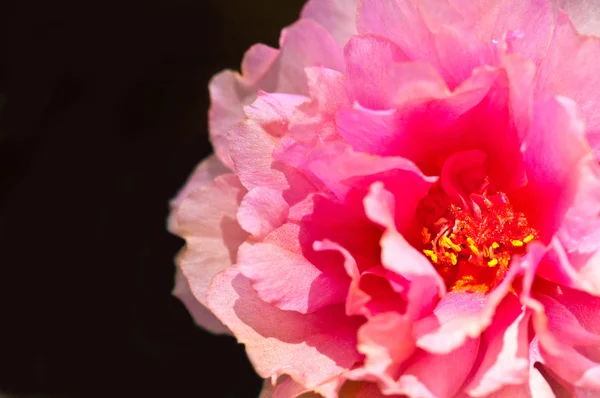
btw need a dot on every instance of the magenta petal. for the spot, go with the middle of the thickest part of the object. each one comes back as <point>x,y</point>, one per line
<point>553,150</point>
<point>398,256</point>
<point>337,16</point>
<point>310,348</point>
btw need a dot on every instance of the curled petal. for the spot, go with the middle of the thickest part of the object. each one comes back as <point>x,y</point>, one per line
<point>337,16</point>
<point>206,220</point>
<point>311,348</point>
<point>566,71</point>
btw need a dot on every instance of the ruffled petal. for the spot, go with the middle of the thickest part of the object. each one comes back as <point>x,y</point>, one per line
<point>583,13</point>
<point>553,151</point>
<point>252,142</point>
<point>567,71</point>
<point>423,377</point>
<point>202,315</point>
<point>310,348</point>
<point>303,44</point>
<point>398,256</point>
<point>367,81</point>
<point>202,176</point>
<point>387,17</point>
<point>307,289</point>
<point>206,220</point>
<point>337,16</point>
<point>506,357</point>
<point>261,211</point>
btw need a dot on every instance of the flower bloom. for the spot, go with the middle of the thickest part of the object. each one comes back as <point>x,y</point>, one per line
<point>404,201</point>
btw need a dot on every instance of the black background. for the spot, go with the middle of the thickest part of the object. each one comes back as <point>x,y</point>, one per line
<point>102,117</point>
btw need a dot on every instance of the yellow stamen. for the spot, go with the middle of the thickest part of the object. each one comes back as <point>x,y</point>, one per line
<point>528,238</point>
<point>448,244</point>
<point>516,242</point>
<point>495,245</point>
<point>493,262</point>
<point>431,255</point>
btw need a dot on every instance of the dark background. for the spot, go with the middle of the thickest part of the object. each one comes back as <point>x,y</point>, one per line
<point>102,116</point>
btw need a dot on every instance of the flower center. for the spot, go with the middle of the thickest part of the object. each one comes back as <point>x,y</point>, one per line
<point>472,242</point>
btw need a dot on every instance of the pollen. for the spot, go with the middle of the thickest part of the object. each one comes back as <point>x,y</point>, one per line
<point>471,244</point>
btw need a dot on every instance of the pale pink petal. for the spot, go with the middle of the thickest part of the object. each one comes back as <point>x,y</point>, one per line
<point>303,44</point>
<point>202,315</point>
<point>506,356</point>
<point>306,289</point>
<point>460,52</point>
<point>203,175</point>
<point>583,13</point>
<point>367,80</point>
<point>568,71</point>
<point>327,87</point>
<point>526,25</point>
<point>252,142</point>
<point>230,91</point>
<point>261,211</point>
<point>433,376</point>
<point>388,17</point>
<point>337,16</point>
<point>537,387</point>
<point>310,348</point>
<point>206,219</point>
<point>454,321</point>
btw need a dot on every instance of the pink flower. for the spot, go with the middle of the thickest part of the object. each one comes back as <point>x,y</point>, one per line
<point>405,200</point>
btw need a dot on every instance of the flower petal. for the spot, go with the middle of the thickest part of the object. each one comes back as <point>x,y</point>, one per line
<point>506,356</point>
<point>423,377</point>
<point>398,256</point>
<point>202,315</point>
<point>306,289</point>
<point>387,17</point>
<point>567,71</point>
<point>553,150</point>
<point>261,211</point>
<point>583,13</point>
<point>310,348</point>
<point>206,219</point>
<point>367,80</point>
<point>337,16</point>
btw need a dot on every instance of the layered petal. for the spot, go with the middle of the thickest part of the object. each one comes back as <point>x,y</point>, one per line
<point>303,44</point>
<point>337,16</point>
<point>566,71</point>
<point>310,348</point>
<point>206,220</point>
